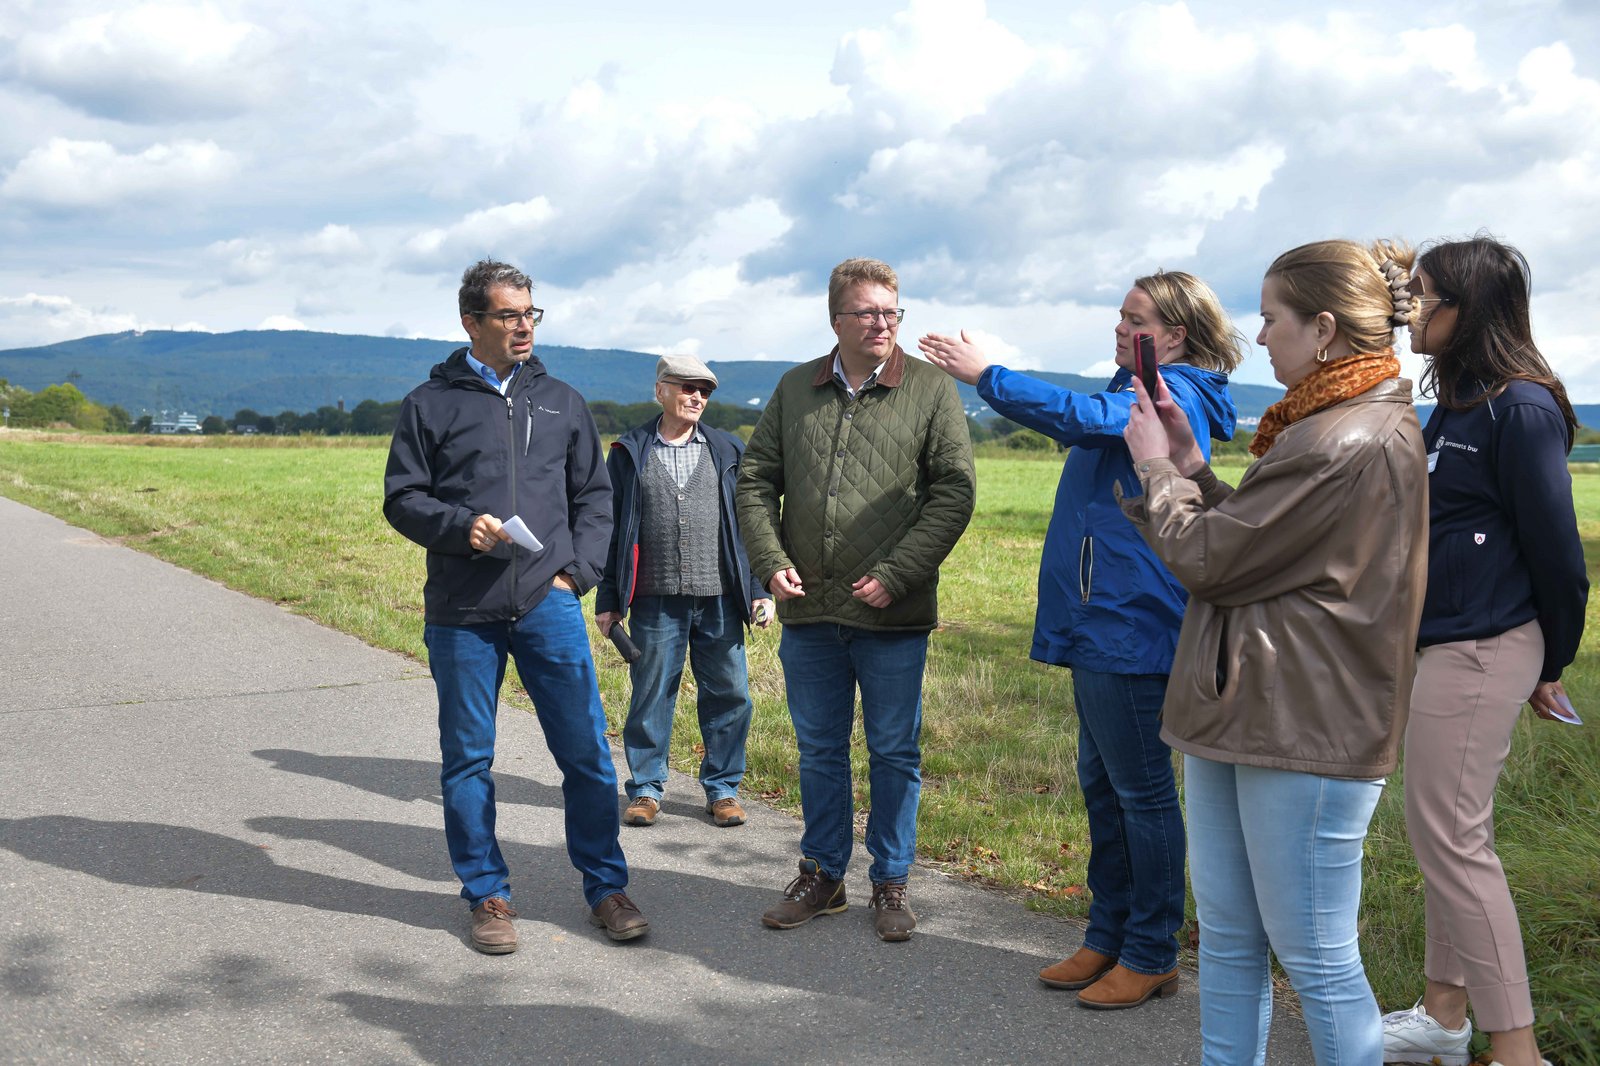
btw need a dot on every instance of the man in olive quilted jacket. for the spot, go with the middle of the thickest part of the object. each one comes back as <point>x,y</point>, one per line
<point>856,484</point>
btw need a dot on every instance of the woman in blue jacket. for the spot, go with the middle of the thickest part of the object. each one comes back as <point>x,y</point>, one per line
<point>1110,611</point>
<point>1502,618</point>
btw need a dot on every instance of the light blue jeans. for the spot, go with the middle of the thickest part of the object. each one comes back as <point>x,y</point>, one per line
<point>711,630</point>
<point>1275,861</point>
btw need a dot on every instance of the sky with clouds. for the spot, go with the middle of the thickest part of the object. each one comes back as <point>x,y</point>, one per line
<point>682,177</point>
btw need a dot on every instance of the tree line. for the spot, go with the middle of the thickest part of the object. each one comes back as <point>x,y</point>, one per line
<point>65,405</point>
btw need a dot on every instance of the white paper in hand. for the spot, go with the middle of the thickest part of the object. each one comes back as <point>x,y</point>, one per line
<point>521,534</point>
<point>1564,711</point>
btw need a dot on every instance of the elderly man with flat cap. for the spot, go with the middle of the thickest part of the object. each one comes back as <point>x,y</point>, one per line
<point>677,565</point>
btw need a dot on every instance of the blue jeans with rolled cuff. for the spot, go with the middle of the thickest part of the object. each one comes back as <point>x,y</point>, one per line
<point>550,645</point>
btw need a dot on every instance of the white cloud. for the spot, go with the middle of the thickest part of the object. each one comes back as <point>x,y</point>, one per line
<point>34,319</point>
<point>476,235</point>
<point>283,322</point>
<point>92,174</point>
<point>150,62</point>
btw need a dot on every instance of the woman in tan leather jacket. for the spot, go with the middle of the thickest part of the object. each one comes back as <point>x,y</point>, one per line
<point>1294,667</point>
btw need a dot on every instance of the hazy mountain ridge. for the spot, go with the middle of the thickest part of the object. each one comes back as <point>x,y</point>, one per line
<point>272,371</point>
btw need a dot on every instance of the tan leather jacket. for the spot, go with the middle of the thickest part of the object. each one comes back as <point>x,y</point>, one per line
<point>1298,648</point>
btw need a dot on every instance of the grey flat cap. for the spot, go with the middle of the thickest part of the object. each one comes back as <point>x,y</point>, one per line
<point>684,368</point>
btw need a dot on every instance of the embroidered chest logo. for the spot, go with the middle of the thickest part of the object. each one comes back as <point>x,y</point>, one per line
<point>1479,538</point>
<point>547,410</point>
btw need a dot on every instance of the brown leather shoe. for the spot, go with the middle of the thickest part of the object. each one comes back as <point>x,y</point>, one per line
<point>619,917</point>
<point>492,931</point>
<point>1121,988</point>
<point>642,811</point>
<point>1082,970</point>
<point>895,920</point>
<point>726,812</point>
<point>810,894</point>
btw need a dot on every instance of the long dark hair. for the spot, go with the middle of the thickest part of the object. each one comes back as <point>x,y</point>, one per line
<point>1488,283</point>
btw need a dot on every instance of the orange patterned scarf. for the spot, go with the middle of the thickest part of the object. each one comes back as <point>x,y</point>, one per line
<point>1325,386</point>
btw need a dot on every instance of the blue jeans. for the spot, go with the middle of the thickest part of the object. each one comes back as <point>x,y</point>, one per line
<point>1276,863</point>
<point>551,647</point>
<point>712,630</point>
<point>823,663</point>
<point>1135,823</point>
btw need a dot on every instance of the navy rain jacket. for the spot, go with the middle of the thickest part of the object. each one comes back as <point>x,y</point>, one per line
<point>460,450</point>
<point>1105,601</point>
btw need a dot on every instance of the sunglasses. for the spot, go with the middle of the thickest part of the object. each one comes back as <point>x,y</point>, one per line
<point>689,388</point>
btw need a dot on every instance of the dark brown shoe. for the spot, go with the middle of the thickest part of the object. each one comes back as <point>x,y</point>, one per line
<point>726,812</point>
<point>642,811</point>
<point>492,931</point>
<point>1082,970</point>
<point>895,920</point>
<point>1121,988</point>
<point>619,917</point>
<point>810,894</point>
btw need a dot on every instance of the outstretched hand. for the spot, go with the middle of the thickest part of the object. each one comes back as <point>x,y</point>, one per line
<point>961,358</point>
<point>1158,429</point>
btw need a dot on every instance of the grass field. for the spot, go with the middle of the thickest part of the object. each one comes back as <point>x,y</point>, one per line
<point>298,522</point>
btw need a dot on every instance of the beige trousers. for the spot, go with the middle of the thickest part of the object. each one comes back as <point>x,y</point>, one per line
<point>1467,698</point>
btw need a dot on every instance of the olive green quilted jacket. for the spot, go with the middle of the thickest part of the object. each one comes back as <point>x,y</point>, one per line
<point>838,488</point>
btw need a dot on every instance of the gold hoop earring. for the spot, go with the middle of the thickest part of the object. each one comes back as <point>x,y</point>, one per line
<point>1322,355</point>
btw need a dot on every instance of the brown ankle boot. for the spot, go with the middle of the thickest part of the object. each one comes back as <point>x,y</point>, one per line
<point>1121,988</point>
<point>1082,970</point>
<point>810,894</point>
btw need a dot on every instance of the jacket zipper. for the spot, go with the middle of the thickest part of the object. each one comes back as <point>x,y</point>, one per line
<point>511,437</point>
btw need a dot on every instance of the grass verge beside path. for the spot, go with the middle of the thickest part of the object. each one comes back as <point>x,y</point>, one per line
<point>298,522</point>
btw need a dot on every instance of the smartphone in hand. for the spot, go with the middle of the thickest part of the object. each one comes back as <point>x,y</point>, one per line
<point>1144,361</point>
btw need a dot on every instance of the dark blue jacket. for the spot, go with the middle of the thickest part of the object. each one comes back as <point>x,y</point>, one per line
<point>1503,545</point>
<point>461,449</point>
<point>1105,601</point>
<point>615,591</point>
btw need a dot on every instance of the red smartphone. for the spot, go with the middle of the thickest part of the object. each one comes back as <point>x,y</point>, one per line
<point>1144,361</point>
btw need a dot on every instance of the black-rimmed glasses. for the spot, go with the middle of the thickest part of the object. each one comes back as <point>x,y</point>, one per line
<point>513,319</point>
<point>869,316</point>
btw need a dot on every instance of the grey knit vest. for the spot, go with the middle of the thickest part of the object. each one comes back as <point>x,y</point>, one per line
<point>678,532</point>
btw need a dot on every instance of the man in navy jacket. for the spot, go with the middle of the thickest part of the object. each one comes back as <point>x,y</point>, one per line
<point>490,436</point>
<point>678,564</point>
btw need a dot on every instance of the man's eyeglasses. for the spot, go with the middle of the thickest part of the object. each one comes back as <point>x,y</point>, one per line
<point>689,388</point>
<point>512,319</point>
<point>870,316</point>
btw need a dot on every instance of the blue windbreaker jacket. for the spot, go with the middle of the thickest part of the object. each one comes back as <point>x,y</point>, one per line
<point>1105,601</point>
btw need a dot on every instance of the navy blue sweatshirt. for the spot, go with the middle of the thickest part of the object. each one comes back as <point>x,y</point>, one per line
<point>1503,546</point>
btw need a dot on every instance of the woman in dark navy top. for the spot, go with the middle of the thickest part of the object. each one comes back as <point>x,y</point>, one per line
<point>1502,618</point>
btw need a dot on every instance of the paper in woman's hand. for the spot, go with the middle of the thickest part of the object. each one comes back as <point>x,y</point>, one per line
<point>1563,711</point>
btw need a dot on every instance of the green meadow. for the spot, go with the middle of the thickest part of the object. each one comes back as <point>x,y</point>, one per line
<point>298,522</point>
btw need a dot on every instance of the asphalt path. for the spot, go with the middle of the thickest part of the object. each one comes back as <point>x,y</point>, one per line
<point>221,841</point>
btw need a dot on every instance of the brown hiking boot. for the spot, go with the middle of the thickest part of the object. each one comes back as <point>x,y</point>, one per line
<point>895,920</point>
<point>642,811</point>
<point>726,812</point>
<point>492,931</point>
<point>1082,970</point>
<point>619,917</point>
<point>810,894</point>
<point>1121,988</point>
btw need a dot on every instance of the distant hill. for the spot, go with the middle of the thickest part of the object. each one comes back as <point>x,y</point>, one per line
<point>272,371</point>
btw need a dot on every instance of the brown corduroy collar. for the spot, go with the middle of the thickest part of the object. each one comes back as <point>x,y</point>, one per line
<point>893,373</point>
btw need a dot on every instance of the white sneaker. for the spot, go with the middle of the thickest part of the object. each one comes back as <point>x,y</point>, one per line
<point>1412,1036</point>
